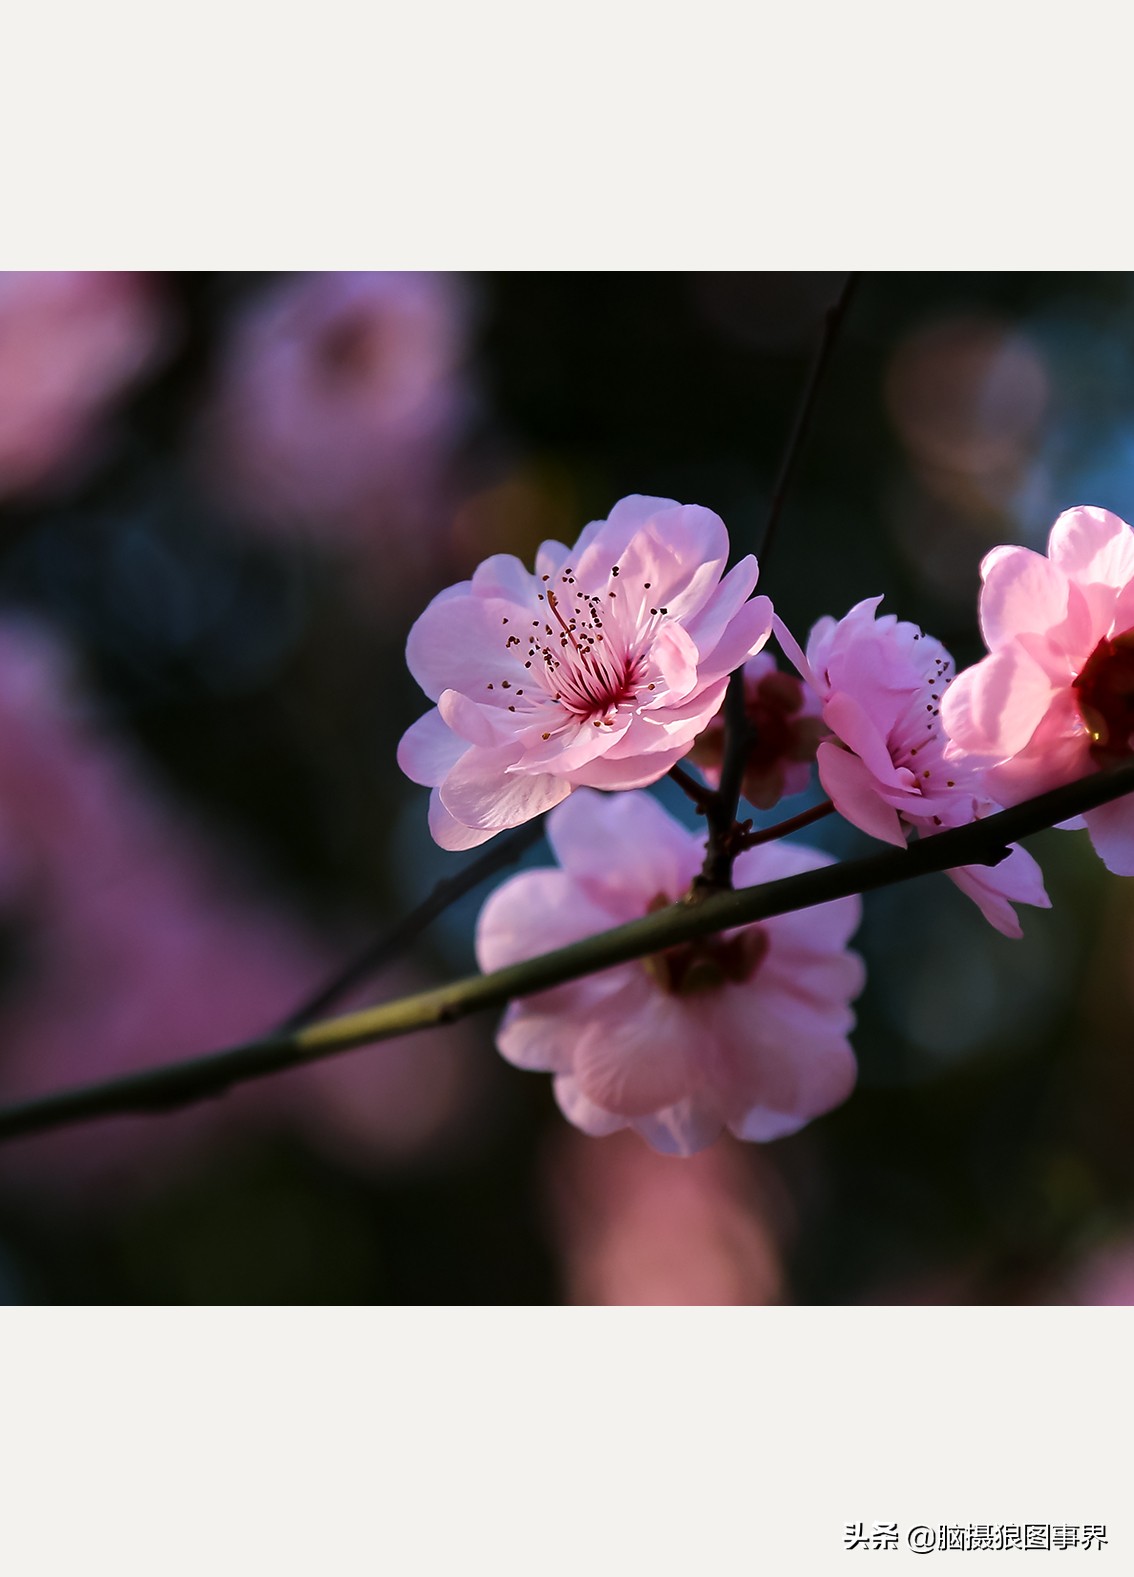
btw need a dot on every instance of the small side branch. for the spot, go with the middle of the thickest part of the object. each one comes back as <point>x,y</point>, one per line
<point>502,852</point>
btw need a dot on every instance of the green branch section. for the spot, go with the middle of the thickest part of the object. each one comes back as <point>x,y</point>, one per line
<point>157,1089</point>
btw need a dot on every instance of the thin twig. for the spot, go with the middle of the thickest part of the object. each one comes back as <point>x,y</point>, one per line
<point>501,853</point>
<point>980,843</point>
<point>724,838</point>
<point>753,840</point>
<point>832,323</point>
<point>701,795</point>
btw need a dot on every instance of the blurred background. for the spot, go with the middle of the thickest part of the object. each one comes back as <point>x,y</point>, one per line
<point>223,501</point>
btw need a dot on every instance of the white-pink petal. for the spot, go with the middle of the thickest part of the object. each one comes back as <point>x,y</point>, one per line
<point>1112,835</point>
<point>481,792</point>
<point>1022,591</point>
<point>853,789</point>
<point>1092,545</point>
<point>428,749</point>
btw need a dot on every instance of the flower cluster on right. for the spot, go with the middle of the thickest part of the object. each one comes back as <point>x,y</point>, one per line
<point>608,665</point>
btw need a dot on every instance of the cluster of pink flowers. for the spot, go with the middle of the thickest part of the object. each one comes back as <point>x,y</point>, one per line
<point>608,665</point>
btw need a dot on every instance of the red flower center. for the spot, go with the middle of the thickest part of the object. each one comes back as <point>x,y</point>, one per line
<point>1106,697</point>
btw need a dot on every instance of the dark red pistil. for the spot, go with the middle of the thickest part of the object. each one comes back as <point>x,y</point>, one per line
<point>1106,697</point>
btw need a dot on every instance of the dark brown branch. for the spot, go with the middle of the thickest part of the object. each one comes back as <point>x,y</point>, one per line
<point>701,795</point>
<point>158,1089</point>
<point>752,840</point>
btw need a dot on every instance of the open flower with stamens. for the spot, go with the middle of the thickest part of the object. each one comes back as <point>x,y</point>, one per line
<point>600,669</point>
<point>1054,699</point>
<point>887,769</point>
<point>746,1030</point>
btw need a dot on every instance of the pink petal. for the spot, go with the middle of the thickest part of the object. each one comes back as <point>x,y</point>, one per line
<point>480,791</point>
<point>746,635</point>
<point>638,770</point>
<point>460,643</point>
<point>634,1065</point>
<point>682,1129</point>
<point>674,562</point>
<point>790,1065</point>
<point>428,749</point>
<point>707,626</point>
<point>1091,544</point>
<point>581,1111</point>
<point>846,718</point>
<point>676,657</point>
<point>623,849</point>
<point>994,708</point>
<point>1022,591</point>
<point>1112,833</point>
<point>502,575</point>
<point>448,833</point>
<point>849,783</point>
<point>602,544</point>
<point>995,888</point>
<point>536,912</point>
<point>794,654</point>
<point>470,722</point>
<point>1058,752</point>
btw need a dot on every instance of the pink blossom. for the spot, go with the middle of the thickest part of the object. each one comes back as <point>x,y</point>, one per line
<point>1054,699</point>
<point>70,345</point>
<point>880,682</point>
<point>340,396</point>
<point>599,670</point>
<point>745,1031</point>
<point>633,1229</point>
<point>784,715</point>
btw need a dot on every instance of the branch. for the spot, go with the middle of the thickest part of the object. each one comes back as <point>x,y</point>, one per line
<point>832,323</point>
<point>752,840</point>
<point>980,843</point>
<point>501,853</point>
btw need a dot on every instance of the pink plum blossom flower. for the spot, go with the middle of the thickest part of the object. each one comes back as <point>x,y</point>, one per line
<point>633,1229</point>
<point>784,715</point>
<point>598,670</point>
<point>1054,699</point>
<point>880,682</point>
<point>340,397</point>
<point>745,1031</point>
<point>70,345</point>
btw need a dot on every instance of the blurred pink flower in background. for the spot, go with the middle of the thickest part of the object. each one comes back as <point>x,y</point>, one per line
<point>339,402</point>
<point>1104,1277</point>
<point>600,669</point>
<point>785,716</point>
<point>970,399</point>
<point>886,768</point>
<point>71,345</point>
<point>634,1229</point>
<point>133,945</point>
<point>1054,699</point>
<point>968,395</point>
<point>746,1030</point>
